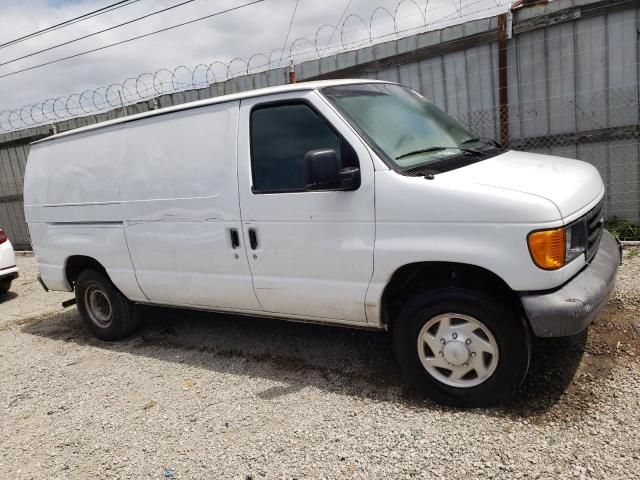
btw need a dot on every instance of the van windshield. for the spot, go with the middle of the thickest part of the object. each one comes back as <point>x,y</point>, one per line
<point>403,126</point>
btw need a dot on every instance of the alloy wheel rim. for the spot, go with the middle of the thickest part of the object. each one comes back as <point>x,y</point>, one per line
<point>98,306</point>
<point>458,350</point>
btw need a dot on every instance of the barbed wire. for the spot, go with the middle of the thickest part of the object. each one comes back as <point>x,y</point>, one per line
<point>147,86</point>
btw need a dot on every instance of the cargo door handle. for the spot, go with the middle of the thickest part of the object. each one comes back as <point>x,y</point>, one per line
<point>253,239</point>
<point>235,238</point>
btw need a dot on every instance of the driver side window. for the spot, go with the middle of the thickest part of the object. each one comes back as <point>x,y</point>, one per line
<point>281,135</point>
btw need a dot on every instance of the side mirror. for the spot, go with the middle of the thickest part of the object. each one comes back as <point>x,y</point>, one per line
<point>322,172</point>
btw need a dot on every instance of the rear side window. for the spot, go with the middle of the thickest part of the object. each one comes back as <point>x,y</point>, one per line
<point>281,135</point>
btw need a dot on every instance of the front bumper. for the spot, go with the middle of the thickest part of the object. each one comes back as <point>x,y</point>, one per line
<point>571,308</point>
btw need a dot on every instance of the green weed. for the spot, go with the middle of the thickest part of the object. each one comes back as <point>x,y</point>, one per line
<point>623,229</point>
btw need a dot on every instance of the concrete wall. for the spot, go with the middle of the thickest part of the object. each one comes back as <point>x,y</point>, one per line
<point>572,83</point>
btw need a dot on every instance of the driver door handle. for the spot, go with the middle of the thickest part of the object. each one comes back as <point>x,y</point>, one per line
<point>253,239</point>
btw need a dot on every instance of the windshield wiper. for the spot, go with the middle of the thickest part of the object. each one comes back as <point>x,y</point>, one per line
<point>439,149</point>
<point>483,139</point>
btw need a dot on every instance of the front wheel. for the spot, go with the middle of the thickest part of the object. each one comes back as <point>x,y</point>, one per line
<point>105,310</point>
<point>461,347</point>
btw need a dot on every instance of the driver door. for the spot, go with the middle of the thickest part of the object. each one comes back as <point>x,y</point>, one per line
<point>310,252</point>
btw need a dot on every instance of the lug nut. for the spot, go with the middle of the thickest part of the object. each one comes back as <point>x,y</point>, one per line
<point>468,341</point>
<point>441,352</point>
<point>454,335</point>
<point>442,341</point>
<point>473,354</point>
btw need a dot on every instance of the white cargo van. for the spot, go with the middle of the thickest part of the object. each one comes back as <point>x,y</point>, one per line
<point>347,202</point>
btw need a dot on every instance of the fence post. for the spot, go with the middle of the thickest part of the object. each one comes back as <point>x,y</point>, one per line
<point>502,79</point>
<point>292,72</point>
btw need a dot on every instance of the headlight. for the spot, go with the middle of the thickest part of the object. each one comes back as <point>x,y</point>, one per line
<point>553,249</point>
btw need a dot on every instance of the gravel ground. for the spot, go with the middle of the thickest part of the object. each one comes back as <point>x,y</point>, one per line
<point>197,396</point>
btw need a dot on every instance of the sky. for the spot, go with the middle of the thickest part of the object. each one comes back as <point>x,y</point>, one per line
<point>258,28</point>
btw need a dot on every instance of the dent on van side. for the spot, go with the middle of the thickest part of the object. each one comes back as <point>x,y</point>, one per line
<point>347,202</point>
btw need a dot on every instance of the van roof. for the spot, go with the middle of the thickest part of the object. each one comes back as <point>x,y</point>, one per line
<point>211,101</point>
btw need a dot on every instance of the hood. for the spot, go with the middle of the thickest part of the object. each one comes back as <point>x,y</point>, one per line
<point>569,184</point>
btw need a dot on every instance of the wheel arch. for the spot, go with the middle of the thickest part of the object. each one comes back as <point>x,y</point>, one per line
<point>76,264</point>
<point>413,279</point>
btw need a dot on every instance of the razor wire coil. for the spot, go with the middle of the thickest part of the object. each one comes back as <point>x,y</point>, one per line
<point>147,85</point>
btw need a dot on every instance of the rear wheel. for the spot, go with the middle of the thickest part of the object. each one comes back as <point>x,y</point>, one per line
<point>107,312</point>
<point>462,348</point>
<point>5,286</point>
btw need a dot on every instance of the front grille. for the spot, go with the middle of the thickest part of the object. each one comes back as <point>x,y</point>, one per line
<point>595,224</point>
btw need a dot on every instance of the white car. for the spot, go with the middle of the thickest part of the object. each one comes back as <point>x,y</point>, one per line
<point>349,202</point>
<point>8,268</point>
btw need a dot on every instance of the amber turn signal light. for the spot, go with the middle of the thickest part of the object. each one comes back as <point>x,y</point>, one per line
<point>547,248</point>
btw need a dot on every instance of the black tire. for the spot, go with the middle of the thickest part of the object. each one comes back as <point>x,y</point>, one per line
<point>5,286</point>
<point>508,329</point>
<point>95,295</point>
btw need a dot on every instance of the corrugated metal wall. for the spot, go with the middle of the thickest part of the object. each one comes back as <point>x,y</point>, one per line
<point>12,163</point>
<point>572,83</point>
